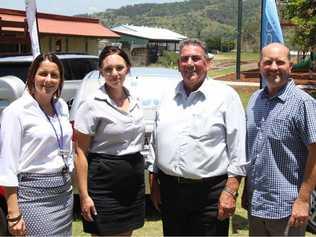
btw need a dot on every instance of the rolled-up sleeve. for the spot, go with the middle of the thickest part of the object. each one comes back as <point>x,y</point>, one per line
<point>236,136</point>
<point>10,134</point>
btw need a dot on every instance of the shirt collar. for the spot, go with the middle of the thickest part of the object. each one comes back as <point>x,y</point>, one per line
<point>201,90</point>
<point>283,94</point>
<point>101,94</point>
<point>29,100</point>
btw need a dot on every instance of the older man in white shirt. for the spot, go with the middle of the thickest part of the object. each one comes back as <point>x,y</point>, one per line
<point>199,148</point>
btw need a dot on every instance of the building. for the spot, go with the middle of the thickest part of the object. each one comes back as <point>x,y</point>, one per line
<point>146,44</point>
<point>57,33</point>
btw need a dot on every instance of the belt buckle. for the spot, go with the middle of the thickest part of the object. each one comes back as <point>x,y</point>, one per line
<point>181,180</point>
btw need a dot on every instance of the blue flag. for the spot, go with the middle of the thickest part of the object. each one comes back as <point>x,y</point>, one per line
<point>270,25</point>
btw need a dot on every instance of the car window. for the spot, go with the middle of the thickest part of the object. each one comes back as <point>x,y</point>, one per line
<point>18,69</point>
<point>76,69</point>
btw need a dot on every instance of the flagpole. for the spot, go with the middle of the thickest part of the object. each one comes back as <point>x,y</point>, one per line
<point>239,22</point>
<point>38,32</point>
<point>32,22</point>
<point>271,30</point>
<point>261,27</point>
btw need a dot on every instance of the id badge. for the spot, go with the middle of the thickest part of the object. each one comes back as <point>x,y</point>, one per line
<point>65,170</point>
<point>64,153</point>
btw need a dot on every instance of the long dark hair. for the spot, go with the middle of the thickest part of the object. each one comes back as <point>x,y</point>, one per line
<point>30,83</point>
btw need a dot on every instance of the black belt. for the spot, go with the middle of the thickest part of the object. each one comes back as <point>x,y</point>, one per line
<point>92,156</point>
<point>182,180</point>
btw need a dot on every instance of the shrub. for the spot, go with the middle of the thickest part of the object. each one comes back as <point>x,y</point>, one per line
<point>168,59</point>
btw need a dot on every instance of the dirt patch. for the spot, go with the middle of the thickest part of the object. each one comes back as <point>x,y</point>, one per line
<point>245,89</point>
<point>301,78</point>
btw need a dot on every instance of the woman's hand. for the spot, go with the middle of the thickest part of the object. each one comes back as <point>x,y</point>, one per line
<point>16,225</point>
<point>87,208</point>
<point>81,166</point>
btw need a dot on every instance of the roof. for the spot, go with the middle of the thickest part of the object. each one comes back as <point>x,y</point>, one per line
<point>150,33</point>
<point>29,58</point>
<point>60,25</point>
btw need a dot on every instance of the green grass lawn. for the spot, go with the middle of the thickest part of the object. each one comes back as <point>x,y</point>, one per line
<point>245,56</point>
<point>153,224</point>
<point>225,63</point>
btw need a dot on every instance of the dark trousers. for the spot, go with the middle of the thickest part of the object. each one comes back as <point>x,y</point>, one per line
<point>273,227</point>
<point>189,208</point>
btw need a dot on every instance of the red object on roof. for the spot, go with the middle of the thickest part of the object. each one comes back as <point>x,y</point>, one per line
<point>59,25</point>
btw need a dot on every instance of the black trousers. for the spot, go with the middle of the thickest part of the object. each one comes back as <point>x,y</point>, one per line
<point>189,208</point>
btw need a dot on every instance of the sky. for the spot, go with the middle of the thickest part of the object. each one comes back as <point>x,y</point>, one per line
<point>73,7</point>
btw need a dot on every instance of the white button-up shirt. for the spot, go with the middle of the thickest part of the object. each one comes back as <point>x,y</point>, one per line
<point>29,143</point>
<point>114,131</point>
<point>201,135</point>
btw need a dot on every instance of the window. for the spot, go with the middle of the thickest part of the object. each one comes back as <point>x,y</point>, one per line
<point>15,69</point>
<point>58,47</point>
<point>76,69</point>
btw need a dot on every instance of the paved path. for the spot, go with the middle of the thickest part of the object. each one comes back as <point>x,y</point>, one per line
<point>242,83</point>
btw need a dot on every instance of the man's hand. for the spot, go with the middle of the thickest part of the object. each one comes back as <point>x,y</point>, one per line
<point>300,213</point>
<point>155,191</point>
<point>226,206</point>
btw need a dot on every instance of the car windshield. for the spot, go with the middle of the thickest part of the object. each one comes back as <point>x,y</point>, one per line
<point>18,69</point>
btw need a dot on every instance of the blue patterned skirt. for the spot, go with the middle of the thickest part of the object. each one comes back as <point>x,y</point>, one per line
<point>46,203</point>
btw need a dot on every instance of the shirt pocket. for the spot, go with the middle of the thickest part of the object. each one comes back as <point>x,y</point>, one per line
<point>280,129</point>
<point>202,126</point>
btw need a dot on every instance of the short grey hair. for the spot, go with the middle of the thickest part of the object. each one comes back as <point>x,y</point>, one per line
<point>194,42</point>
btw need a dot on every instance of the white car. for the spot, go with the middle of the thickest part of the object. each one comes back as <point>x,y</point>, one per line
<point>145,83</point>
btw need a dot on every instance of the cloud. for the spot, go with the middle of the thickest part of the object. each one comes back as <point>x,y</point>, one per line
<point>92,9</point>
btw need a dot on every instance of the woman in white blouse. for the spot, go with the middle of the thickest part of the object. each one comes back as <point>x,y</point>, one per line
<point>36,154</point>
<point>109,167</point>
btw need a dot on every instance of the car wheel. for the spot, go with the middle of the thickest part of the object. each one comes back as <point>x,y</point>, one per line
<point>3,223</point>
<point>312,220</point>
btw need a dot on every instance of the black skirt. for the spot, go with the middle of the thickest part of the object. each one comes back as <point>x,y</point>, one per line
<point>116,185</point>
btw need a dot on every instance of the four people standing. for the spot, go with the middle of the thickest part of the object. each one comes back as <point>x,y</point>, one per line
<point>281,132</point>
<point>199,158</point>
<point>199,148</point>
<point>36,154</point>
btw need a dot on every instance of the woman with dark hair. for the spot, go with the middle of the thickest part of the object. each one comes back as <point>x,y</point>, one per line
<point>36,154</point>
<point>109,167</point>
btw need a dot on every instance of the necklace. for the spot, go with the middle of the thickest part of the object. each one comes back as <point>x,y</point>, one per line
<point>60,139</point>
<point>119,101</point>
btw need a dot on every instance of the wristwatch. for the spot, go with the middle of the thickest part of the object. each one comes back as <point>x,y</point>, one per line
<point>231,192</point>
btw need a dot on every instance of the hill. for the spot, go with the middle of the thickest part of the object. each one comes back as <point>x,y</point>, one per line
<point>194,18</point>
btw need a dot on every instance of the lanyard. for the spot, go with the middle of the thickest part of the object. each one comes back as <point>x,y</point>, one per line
<point>60,140</point>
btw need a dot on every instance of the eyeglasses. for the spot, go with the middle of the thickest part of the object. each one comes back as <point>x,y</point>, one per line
<point>194,58</point>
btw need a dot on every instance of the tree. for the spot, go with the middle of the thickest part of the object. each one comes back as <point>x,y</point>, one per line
<point>213,43</point>
<point>302,13</point>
